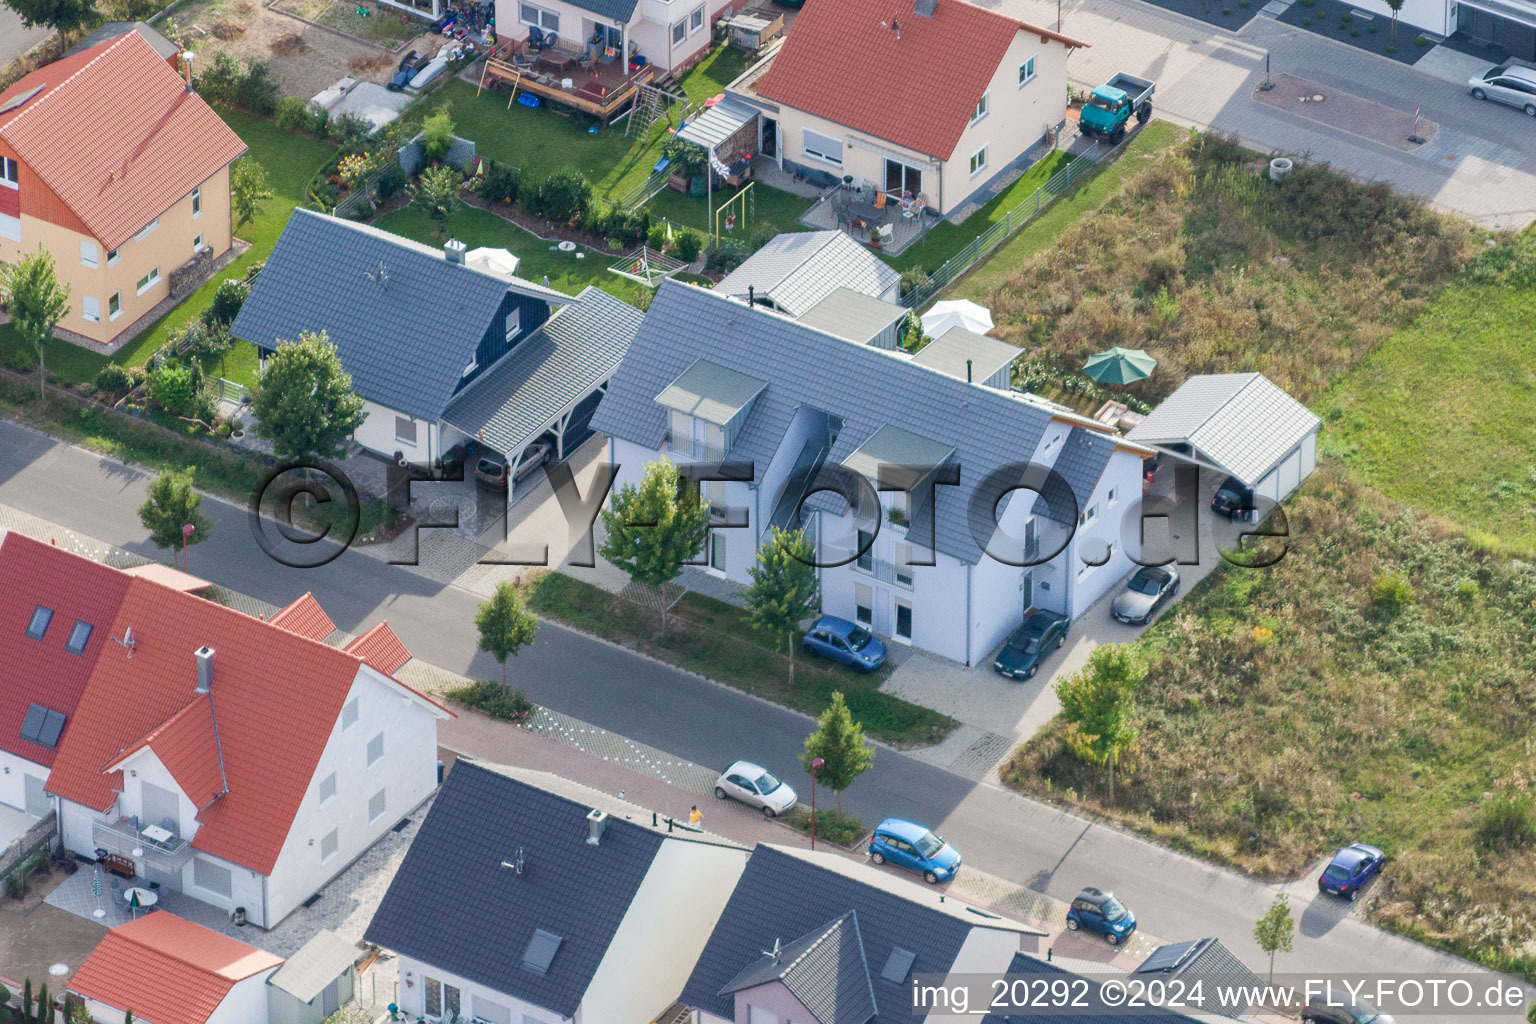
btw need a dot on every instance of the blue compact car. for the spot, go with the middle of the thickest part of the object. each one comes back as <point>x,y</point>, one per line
<point>1350,869</point>
<point>1097,911</point>
<point>911,846</point>
<point>844,641</point>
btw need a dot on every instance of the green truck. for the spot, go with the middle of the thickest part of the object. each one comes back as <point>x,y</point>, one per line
<point>1108,110</point>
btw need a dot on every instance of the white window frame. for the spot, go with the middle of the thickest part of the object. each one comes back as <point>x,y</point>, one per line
<point>695,19</point>
<point>115,299</point>
<point>806,142</point>
<point>148,281</point>
<point>90,309</point>
<point>400,436</point>
<point>197,202</point>
<point>333,837</point>
<point>197,244</point>
<point>541,16</point>
<point>1087,515</point>
<point>10,173</point>
<point>146,230</point>
<point>1113,497</point>
<point>90,256</point>
<point>113,255</point>
<point>977,168</point>
<point>680,33</point>
<point>383,797</point>
<point>983,107</point>
<point>1027,70</point>
<point>868,593</point>
<point>514,323</point>
<point>10,227</point>
<point>327,789</point>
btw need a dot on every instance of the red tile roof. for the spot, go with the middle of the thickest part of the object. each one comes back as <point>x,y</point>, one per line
<point>381,648</point>
<point>115,134</point>
<point>167,969</point>
<point>306,618</point>
<point>185,743</point>
<point>42,671</point>
<point>917,91</point>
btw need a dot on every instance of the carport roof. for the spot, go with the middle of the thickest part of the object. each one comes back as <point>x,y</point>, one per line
<point>718,123</point>
<point>1242,422</point>
<point>549,371</point>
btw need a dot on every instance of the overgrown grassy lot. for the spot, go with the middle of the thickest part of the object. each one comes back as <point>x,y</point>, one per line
<point>1440,415</point>
<point>1212,268</point>
<point>717,640</point>
<point>1390,705</point>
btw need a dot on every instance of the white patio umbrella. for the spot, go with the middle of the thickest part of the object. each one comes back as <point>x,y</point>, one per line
<point>498,261</point>
<point>956,313</point>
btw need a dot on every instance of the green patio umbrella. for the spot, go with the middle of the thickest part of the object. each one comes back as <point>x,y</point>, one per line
<point>1119,365</point>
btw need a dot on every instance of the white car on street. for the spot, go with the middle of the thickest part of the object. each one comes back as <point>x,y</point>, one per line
<point>753,784</point>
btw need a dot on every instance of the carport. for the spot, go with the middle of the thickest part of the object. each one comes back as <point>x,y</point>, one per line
<point>548,385</point>
<point>1241,424</point>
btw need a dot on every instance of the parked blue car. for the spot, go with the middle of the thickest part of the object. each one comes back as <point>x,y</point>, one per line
<point>1350,869</point>
<point>844,641</point>
<point>911,846</point>
<point>1097,911</point>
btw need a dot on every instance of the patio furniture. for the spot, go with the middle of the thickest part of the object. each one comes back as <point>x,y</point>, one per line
<point>887,234</point>
<point>141,898</point>
<point>158,834</point>
<point>117,864</point>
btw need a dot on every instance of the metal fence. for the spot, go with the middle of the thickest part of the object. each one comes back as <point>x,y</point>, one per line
<point>1016,217</point>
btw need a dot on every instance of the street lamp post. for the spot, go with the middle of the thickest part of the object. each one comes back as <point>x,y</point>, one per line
<point>816,763</point>
<point>186,534</point>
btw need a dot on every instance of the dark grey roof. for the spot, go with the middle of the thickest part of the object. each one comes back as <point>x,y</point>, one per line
<point>1025,964</point>
<point>556,366</point>
<point>711,392</point>
<point>112,29</point>
<point>852,315</point>
<point>1206,958</point>
<point>800,268</point>
<point>785,894</point>
<point>454,906</point>
<point>948,354</point>
<point>1084,454</point>
<point>613,10</point>
<point>825,969</point>
<point>868,387</point>
<point>406,337</point>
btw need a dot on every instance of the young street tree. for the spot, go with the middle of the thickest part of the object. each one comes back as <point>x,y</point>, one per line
<point>654,528</point>
<point>37,302</point>
<point>304,404</point>
<point>1274,930</point>
<point>1096,703</point>
<point>60,14</point>
<point>505,626</point>
<point>171,505</point>
<point>784,592</point>
<point>839,742</point>
<point>1394,6</point>
<point>247,189</point>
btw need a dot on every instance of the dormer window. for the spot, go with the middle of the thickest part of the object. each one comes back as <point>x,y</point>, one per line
<point>79,637</point>
<point>514,323</point>
<point>706,406</point>
<point>39,625</point>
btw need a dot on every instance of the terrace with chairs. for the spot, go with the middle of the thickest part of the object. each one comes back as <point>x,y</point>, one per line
<point>599,85</point>
<point>897,219</point>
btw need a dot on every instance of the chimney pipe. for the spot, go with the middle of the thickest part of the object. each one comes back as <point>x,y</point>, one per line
<point>751,296</point>
<point>597,822</point>
<point>454,250</point>
<point>204,656</point>
<point>968,372</point>
<point>186,63</point>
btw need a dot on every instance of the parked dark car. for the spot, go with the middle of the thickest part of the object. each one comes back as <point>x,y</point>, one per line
<point>1144,594</point>
<point>1358,1013</point>
<point>1350,869</point>
<point>1234,500</point>
<point>1097,911</point>
<point>1021,655</point>
<point>909,845</point>
<point>846,642</point>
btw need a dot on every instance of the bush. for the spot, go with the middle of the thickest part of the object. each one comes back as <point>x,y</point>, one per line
<point>319,120</point>
<point>500,183</point>
<point>351,134</point>
<point>174,390</point>
<point>565,196</point>
<point>257,89</point>
<point>656,238</point>
<point>390,181</point>
<point>223,76</point>
<point>491,698</point>
<point>1505,822</point>
<point>687,159</point>
<point>437,135</point>
<point>831,826</point>
<point>723,256</point>
<point>111,379</point>
<point>686,244</point>
<point>293,114</point>
<point>1391,592</point>
<point>226,304</point>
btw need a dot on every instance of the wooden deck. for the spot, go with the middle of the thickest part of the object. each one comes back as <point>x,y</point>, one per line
<point>599,88</point>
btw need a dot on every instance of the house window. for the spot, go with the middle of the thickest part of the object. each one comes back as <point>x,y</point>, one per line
<point>514,323</point>
<point>112,257</point>
<point>695,20</point>
<point>538,17</point>
<point>148,281</point>
<point>115,306</point>
<point>10,227</point>
<point>405,430</point>
<point>1087,515</point>
<point>215,878</point>
<point>8,175</point>
<point>981,108</point>
<point>1111,496</point>
<point>979,161</point>
<point>866,558</point>
<point>90,309</point>
<point>679,33</point>
<point>146,229</point>
<point>39,625</point>
<point>328,789</point>
<point>375,749</point>
<point>197,202</point>
<point>1027,70</point>
<point>197,245</point>
<point>376,805</point>
<point>78,637</point>
<point>904,565</point>
<point>329,845</point>
<point>863,604</point>
<point>695,438</point>
<point>822,147</point>
<point>903,620</point>
<point>349,714</point>
<point>88,254</point>
<point>441,1000</point>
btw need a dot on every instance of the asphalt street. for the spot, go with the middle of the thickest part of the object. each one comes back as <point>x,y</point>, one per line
<point>16,38</point>
<point>1045,848</point>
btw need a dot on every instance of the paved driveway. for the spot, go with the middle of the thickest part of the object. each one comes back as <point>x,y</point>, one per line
<point>1481,163</point>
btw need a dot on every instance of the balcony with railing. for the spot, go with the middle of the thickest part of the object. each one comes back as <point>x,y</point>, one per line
<point>126,839</point>
<point>694,448</point>
<point>869,564</point>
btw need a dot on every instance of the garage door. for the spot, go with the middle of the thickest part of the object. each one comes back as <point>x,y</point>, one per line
<point>1290,473</point>
<point>1269,486</point>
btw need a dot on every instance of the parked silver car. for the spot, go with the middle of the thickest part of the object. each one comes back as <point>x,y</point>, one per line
<point>1509,83</point>
<point>1144,594</point>
<point>753,784</point>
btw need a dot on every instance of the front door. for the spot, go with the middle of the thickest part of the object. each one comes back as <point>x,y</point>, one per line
<point>717,552</point>
<point>768,141</point>
<point>903,620</point>
<point>900,178</point>
<point>1027,589</point>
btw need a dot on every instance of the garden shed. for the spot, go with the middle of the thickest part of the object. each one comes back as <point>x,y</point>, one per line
<point>314,983</point>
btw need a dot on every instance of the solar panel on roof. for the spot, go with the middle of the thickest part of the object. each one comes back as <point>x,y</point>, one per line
<point>20,98</point>
<point>1168,958</point>
<point>541,951</point>
<point>32,727</point>
<point>53,725</point>
<point>897,965</point>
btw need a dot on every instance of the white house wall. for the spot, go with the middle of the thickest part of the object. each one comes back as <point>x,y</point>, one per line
<point>1089,583</point>
<point>986,951</point>
<point>413,995</point>
<point>407,772</point>
<point>668,922</point>
<point>377,434</point>
<point>14,772</point>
